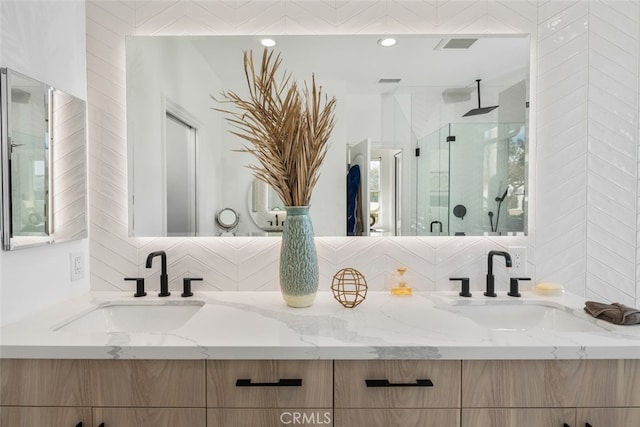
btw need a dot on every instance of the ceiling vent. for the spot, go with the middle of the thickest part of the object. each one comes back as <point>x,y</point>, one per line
<point>454,44</point>
<point>389,80</point>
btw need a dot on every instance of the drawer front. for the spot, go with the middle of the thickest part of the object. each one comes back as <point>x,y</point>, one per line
<point>550,383</point>
<point>12,416</point>
<point>269,383</point>
<point>397,417</point>
<point>148,383</point>
<point>518,417</point>
<point>150,417</point>
<point>270,417</point>
<point>605,417</point>
<point>44,382</point>
<point>397,384</point>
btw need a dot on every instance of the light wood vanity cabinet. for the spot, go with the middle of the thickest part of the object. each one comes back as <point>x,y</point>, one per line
<point>599,393</point>
<point>19,416</point>
<point>507,417</point>
<point>385,393</point>
<point>184,393</point>
<point>111,393</point>
<point>618,417</point>
<point>266,393</point>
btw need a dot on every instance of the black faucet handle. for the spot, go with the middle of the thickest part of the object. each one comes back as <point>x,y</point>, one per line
<point>139,286</point>
<point>464,291</point>
<point>513,286</point>
<point>186,286</point>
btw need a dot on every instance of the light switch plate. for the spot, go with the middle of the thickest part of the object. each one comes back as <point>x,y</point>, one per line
<point>77,265</point>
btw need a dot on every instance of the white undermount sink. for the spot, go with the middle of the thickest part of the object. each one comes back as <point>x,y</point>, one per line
<point>527,316</point>
<point>132,316</point>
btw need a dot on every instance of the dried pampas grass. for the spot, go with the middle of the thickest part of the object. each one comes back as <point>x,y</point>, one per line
<point>287,131</point>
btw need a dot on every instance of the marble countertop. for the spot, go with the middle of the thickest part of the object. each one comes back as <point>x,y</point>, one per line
<point>258,325</point>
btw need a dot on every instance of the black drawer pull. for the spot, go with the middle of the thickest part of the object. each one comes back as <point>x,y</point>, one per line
<point>386,383</point>
<point>284,382</point>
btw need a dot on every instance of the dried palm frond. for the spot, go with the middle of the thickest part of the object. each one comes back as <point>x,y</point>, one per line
<point>286,130</point>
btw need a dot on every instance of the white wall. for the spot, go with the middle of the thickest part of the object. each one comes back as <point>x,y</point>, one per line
<point>44,40</point>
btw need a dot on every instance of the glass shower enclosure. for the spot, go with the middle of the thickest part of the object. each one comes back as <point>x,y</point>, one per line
<point>471,180</point>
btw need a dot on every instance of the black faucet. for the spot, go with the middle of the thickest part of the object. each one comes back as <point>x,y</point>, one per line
<point>490,279</point>
<point>164,279</point>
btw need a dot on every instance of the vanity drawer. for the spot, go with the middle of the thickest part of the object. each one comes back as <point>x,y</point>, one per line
<point>550,383</point>
<point>150,417</point>
<point>397,417</point>
<point>19,416</point>
<point>554,417</point>
<point>41,382</point>
<point>269,383</point>
<point>148,383</point>
<point>270,417</point>
<point>397,384</point>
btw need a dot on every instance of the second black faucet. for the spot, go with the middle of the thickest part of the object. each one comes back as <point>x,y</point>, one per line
<point>164,279</point>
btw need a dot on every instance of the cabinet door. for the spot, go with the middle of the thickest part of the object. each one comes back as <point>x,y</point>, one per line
<point>270,417</point>
<point>550,383</point>
<point>518,417</point>
<point>150,417</point>
<point>148,383</point>
<point>397,417</point>
<point>44,382</point>
<point>269,383</point>
<point>12,416</point>
<point>607,417</point>
<point>397,384</point>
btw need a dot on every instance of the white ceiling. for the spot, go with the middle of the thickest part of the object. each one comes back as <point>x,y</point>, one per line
<point>361,62</point>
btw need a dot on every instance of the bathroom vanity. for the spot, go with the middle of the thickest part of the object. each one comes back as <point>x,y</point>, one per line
<point>246,359</point>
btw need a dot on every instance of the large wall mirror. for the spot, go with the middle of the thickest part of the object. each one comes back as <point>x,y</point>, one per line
<point>44,175</point>
<point>431,135</point>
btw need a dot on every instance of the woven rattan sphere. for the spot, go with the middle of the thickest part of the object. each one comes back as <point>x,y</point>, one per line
<point>349,287</point>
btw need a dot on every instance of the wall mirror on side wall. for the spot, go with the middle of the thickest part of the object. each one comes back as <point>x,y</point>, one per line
<point>441,122</point>
<point>44,172</point>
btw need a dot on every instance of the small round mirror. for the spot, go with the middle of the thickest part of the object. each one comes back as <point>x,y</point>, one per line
<point>227,219</point>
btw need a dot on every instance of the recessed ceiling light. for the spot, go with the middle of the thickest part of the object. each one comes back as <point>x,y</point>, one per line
<point>268,42</point>
<point>387,42</point>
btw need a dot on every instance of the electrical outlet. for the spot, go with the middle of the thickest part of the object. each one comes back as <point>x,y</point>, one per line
<point>77,266</point>
<point>518,260</point>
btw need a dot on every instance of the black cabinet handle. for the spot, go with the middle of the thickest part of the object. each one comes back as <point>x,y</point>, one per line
<point>565,425</point>
<point>386,383</point>
<point>284,382</point>
<point>587,425</point>
<point>79,424</point>
<point>101,425</point>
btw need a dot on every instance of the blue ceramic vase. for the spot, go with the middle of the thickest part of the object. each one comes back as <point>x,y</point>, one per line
<point>298,259</point>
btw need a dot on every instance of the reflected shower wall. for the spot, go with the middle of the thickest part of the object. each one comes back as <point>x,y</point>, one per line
<point>471,180</point>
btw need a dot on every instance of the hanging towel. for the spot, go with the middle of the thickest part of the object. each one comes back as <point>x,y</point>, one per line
<point>353,188</point>
<point>616,313</point>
